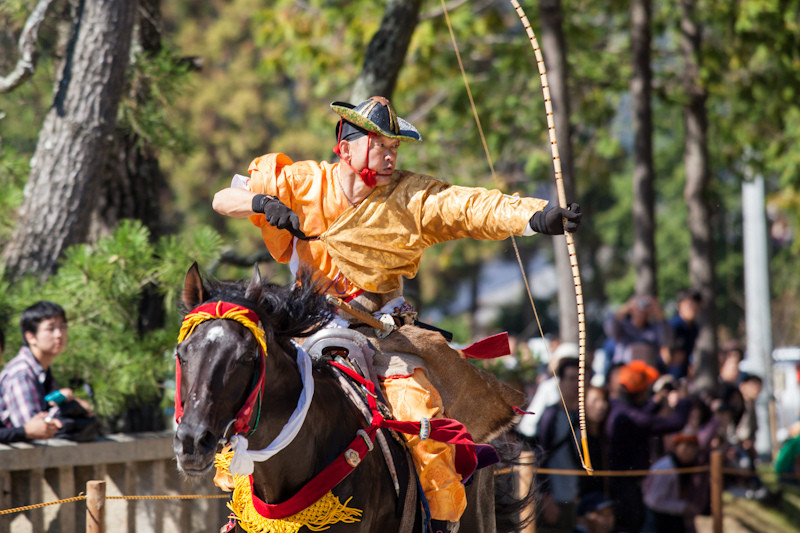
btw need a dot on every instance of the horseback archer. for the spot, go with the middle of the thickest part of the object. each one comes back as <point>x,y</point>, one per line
<point>362,224</point>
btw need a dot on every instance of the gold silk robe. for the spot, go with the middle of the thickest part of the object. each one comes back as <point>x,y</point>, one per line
<point>371,245</point>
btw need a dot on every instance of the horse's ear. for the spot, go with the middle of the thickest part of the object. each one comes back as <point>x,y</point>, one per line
<point>193,293</point>
<point>254,288</point>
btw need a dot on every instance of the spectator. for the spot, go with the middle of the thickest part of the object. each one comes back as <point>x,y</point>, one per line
<point>750,387</point>
<point>632,420</point>
<point>547,392</point>
<point>729,358</point>
<point>705,425</point>
<point>27,378</point>
<point>557,443</point>
<point>595,514</point>
<point>684,330</point>
<point>597,404</point>
<point>38,427</point>
<point>612,381</point>
<point>673,500</point>
<point>741,437</point>
<point>787,464</point>
<point>639,332</point>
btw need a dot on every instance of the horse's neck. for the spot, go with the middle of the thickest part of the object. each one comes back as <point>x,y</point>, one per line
<point>330,425</point>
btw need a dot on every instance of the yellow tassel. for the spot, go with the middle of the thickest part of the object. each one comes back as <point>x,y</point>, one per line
<point>223,478</point>
<point>318,517</point>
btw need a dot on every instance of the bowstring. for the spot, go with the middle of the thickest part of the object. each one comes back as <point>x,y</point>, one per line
<point>498,184</point>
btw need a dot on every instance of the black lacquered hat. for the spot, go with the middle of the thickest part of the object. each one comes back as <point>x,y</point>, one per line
<point>378,116</point>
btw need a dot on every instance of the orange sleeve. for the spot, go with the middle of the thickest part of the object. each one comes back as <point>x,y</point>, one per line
<point>268,176</point>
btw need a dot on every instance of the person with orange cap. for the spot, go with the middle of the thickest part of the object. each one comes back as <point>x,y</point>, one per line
<point>362,224</point>
<point>633,419</point>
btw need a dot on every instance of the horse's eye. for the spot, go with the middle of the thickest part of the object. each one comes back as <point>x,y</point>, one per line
<point>246,358</point>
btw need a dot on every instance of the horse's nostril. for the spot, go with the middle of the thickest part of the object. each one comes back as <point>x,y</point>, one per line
<point>184,441</point>
<point>207,442</point>
<point>191,441</point>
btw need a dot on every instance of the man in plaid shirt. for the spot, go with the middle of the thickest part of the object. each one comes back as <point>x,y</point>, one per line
<point>26,379</point>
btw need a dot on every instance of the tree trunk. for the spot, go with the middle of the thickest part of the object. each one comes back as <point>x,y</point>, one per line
<point>701,256</point>
<point>387,51</point>
<point>134,186</point>
<point>76,140</point>
<point>555,56</point>
<point>644,254</point>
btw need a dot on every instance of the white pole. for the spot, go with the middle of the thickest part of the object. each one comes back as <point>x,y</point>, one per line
<point>757,302</point>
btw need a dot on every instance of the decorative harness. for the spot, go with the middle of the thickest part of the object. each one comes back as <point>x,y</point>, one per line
<point>249,319</point>
<point>251,510</point>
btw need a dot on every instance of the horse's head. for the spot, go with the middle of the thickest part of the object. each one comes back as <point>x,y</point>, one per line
<point>230,331</point>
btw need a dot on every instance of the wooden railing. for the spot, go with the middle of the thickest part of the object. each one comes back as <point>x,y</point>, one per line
<point>141,464</point>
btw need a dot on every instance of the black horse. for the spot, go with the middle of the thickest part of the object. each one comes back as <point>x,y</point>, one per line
<point>220,362</point>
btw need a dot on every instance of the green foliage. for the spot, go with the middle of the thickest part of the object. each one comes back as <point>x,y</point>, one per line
<point>14,170</point>
<point>459,326</point>
<point>101,288</point>
<point>156,81</point>
<point>15,11</point>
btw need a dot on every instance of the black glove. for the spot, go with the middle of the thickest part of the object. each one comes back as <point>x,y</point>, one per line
<point>278,214</point>
<point>550,222</point>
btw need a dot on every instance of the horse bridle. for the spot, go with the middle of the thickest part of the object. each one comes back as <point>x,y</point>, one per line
<point>249,319</point>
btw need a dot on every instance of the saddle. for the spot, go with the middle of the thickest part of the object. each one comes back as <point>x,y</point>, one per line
<point>473,397</point>
<point>470,395</point>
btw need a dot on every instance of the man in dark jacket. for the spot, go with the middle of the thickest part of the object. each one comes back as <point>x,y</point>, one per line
<point>560,493</point>
<point>632,420</point>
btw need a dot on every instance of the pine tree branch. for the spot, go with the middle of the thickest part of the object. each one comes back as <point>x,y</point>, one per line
<point>26,64</point>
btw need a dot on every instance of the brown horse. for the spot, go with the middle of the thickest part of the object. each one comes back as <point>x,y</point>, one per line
<point>220,363</point>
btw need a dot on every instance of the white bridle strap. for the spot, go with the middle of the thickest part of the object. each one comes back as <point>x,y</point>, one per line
<point>243,459</point>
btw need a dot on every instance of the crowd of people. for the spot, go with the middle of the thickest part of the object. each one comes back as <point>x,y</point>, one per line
<point>643,414</point>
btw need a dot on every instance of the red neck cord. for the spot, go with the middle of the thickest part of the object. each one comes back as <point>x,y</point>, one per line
<point>368,175</point>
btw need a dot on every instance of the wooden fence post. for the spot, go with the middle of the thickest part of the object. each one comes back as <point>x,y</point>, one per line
<point>95,507</point>
<point>525,480</point>
<point>716,490</point>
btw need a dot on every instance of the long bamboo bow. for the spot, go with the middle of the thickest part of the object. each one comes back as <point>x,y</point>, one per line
<point>562,200</point>
<point>573,258</point>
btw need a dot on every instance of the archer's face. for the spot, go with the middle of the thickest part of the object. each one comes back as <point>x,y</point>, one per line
<point>382,155</point>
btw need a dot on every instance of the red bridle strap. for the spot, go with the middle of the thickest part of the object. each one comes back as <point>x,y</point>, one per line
<point>249,319</point>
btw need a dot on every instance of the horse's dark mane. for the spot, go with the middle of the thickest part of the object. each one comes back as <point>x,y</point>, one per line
<point>299,309</point>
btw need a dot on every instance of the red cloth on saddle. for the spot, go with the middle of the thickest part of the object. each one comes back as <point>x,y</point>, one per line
<point>488,348</point>
<point>449,431</point>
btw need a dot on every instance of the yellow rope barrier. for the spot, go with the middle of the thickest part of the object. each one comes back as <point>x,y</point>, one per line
<point>82,496</point>
<point>40,505</point>
<point>609,473</point>
<point>507,470</point>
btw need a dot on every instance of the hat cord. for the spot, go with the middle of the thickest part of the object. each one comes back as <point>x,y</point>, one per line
<point>367,175</point>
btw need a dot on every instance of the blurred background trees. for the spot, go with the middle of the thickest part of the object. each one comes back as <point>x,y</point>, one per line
<point>200,89</point>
